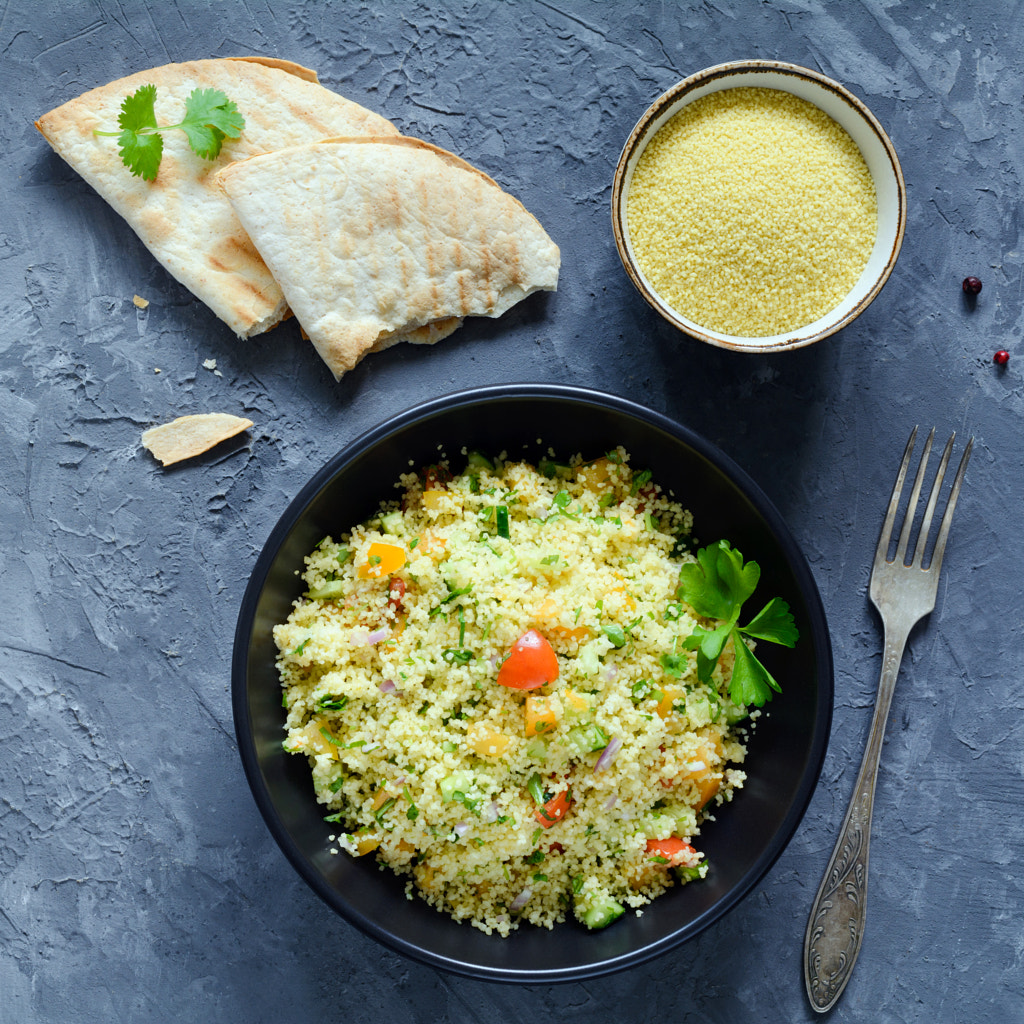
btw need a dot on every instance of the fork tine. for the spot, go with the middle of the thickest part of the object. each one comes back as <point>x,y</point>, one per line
<point>908,521</point>
<point>882,551</point>
<point>947,518</point>
<point>926,522</point>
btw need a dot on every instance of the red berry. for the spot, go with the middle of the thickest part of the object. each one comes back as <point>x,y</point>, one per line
<point>972,285</point>
<point>1001,358</point>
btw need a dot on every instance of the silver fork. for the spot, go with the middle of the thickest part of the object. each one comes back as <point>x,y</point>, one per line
<point>903,594</point>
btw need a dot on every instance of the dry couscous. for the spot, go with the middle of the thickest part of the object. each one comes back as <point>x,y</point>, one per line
<point>752,212</point>
<point>497,687</point>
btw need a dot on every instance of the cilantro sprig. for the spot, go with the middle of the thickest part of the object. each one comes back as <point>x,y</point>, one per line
<point>210,117</point>
<point>716,586</point>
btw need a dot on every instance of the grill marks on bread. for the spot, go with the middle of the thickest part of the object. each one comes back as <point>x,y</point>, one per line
<point>416,239</point>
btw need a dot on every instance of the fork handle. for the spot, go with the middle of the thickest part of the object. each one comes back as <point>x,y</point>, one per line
<point>836,924</point>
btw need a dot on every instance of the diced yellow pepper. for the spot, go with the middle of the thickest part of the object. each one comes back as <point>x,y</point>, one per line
<point>575,704</point>
<point>596,475</point>
<point>381,560</point>
<point>366,844</point>
<point>546,618</point>
<point>486,741</point>
<point>540,716</point>
<point>316,741</point>
<point>432,546</point>
<point>380,798</point>
<point>708,779</point>
<point>433,499</point>
<point>669,695</point>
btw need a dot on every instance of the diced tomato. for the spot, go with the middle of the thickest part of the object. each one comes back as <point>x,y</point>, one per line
<point>554,810</point>
<point>435,476</point>
<point>396,594</point>
<point>531,663</point>
<point>673,850</point>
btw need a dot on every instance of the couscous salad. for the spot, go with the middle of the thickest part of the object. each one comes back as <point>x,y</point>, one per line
<point>520,686</point>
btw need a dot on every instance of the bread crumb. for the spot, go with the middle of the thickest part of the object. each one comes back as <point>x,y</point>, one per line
<point>210,364</point>
<point>140,302</point>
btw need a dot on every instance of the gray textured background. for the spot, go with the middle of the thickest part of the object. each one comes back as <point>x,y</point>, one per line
<point>137,881</point>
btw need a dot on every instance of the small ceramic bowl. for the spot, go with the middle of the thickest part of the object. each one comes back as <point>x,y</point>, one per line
<point>845,109</point>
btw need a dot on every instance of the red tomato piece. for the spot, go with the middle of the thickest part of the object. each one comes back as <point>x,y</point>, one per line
<point>554,810</point>
<point>396,594</point>
<point>531,663</point>
<point>436,476</point>
<point>673,850</point>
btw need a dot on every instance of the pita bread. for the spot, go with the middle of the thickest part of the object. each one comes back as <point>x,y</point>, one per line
<point>381,240</point>
<point>183,219</point>
<point>188,436</point>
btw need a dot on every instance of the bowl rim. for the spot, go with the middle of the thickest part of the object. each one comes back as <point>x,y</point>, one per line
<point>422,413</point>
<point>639,138</point>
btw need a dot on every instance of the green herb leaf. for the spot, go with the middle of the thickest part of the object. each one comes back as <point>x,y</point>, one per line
<point>716,587</point>
<point>774,622</point>
<point>615,633</point>
<point>673,664</point>
<point>751,682</point>
<point>718,584</point>
<point>209,117</point>
<point>639,480</point>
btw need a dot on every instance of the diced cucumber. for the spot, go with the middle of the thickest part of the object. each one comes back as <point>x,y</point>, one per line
<point>552,468</point>
<point>392,523</point>
<point>601,911</point>
<point>331,590</point>
<point>585,739</point>
<point>456,786</point>
<point>537,749</point>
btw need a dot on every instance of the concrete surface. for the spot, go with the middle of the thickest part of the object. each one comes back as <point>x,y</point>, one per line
<point>137,881</point>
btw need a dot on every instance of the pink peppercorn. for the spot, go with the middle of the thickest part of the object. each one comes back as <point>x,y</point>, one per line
<point>972,285</point>
<point>1001,358</point>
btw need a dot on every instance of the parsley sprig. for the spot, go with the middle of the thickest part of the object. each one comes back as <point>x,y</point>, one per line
<point>210,117</point>
<point>716,586</point>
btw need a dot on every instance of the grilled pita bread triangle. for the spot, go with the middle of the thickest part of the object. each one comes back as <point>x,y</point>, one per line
<point>379,240</point>
<point>182,217</point>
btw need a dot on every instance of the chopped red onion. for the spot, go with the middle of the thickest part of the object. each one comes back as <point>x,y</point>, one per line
<point>388,686</point>
<point>378,635</point>
<point>461,829</point>
<point>610,672</point>
<point>491,812</point>
<point>610,802</point>
<point>608,754</point>
<point>520,901</point>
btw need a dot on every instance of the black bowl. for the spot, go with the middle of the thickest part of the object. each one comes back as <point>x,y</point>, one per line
<point>785,753</point>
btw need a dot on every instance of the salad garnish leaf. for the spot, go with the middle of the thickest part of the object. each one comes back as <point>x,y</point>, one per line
<point>716,586</point>
<point>210,117</point>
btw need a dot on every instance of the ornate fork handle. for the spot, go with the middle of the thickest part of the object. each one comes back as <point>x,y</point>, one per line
<point>836,925</point>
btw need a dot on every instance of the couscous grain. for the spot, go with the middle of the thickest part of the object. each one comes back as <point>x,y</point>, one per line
<point>751,212</point>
